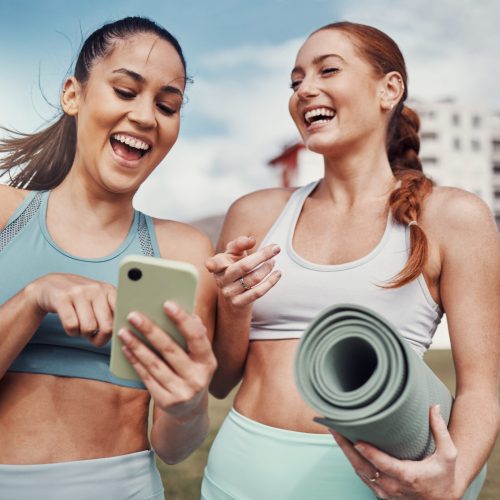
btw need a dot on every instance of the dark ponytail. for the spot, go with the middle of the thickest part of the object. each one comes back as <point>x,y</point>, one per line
<point>46,157</point>
<point>403,145</point>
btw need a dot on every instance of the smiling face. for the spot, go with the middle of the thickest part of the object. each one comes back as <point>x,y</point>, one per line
<point>337,97</point>
<point>128,112</point>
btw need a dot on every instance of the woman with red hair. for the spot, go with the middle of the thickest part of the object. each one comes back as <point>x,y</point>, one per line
<point>373,231</point>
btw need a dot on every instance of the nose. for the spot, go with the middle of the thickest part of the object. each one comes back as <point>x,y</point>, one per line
<point>307,88</point>
<point>143,113</point>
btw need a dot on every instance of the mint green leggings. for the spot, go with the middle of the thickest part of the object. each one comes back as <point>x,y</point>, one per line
<point>125,477</point>
<point>252,461</point>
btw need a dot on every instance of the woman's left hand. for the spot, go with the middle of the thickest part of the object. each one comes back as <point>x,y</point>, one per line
<point>176,379</point>
<point>432,478</point>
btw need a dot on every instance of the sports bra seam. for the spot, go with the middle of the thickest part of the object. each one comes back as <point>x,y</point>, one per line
<point>21,208</point>
<point>421,280</point>
<point>289,206</point>
<point>18,213</point>
<point>152,234</point>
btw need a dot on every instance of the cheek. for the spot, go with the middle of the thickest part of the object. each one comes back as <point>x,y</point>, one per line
<point>170,134</point>
<point>292,109</point>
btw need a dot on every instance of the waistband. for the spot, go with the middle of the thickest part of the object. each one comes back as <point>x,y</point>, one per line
<point>258,428</point>
<point>125,477</point>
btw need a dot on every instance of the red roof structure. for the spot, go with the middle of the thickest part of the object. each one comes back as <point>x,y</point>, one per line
<point>288,161</point>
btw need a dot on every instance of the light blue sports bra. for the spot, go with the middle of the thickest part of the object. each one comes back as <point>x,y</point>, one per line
<point>28,252</point>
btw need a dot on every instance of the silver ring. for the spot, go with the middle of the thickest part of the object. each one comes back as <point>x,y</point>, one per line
<point>244,285</point>
<point>375,477</point>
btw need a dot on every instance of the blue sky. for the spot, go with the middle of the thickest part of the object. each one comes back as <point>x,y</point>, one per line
<point>240,54</point>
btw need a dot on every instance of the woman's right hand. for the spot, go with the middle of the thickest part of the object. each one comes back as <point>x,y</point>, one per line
<point>84,306</point>
<point>243,278</point>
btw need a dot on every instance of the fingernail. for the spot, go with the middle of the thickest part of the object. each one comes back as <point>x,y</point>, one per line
<point>123,335</point>
<point>276,249</point>
<point>359,447</point>
<point>278,274</point>
<point>171,307</point>
<point>134,318</point>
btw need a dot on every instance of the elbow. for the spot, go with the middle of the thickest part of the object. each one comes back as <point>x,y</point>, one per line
<point>221,386</point>
<point>172,455</point>
<point>218,391</point>
<point>170,458</point>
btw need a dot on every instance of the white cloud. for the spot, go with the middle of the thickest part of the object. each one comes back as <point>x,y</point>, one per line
<point>450,46</point>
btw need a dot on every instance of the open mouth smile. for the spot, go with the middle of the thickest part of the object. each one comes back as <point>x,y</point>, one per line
<point>128,147</point>
<point>319,115</point>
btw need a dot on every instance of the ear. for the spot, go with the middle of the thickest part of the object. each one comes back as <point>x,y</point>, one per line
<point>391,89</point>
<point>70,96</point>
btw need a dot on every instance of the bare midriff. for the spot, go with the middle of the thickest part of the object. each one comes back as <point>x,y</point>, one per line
<point>49,419</point>
<point>268,393</point>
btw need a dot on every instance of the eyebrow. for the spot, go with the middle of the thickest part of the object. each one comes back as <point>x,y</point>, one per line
<point>140,79</point>
<point>319,59</point>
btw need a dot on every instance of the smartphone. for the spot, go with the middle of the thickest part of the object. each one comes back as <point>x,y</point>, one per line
<point>144,284</point>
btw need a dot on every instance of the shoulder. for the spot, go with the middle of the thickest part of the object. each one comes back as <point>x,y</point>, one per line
<point>454,215</point>
<point>11,198</point>
<point>181,241</point>
<point>457,208</point>
<point>254,213</point>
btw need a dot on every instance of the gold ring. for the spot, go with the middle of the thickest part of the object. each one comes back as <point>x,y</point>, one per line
<point>244,285</point>
<point>375,477</point>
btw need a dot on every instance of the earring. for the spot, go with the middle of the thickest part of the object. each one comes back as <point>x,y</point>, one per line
<point>392,106</point>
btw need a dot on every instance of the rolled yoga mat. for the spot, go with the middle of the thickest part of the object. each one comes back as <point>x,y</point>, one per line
<point>356,370</point>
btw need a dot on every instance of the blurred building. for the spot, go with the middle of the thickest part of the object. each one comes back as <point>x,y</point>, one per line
<point>456,146</point>
<point>496,166</point>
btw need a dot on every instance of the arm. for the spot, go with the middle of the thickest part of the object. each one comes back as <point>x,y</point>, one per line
<point>84,307</point>
<point>20,317</point>
<point>470,291</point>
<point>178,380</point>
<point>234,260</point>
<point>467,237</point>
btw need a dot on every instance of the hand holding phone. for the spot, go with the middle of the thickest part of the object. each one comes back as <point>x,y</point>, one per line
<point>144,284</point>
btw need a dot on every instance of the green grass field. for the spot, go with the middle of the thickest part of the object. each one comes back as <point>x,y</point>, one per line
<point>182,481</point>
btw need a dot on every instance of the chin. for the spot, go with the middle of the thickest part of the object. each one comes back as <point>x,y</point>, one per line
<point>119,184</point>
<point>323,146</point>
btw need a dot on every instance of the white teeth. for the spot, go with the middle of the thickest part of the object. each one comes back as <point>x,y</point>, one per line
<point>319,112</point>
<point>131,141</point>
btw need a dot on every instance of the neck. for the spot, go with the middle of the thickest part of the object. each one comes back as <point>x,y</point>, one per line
<point>358,178</point>
<point>80,194</point>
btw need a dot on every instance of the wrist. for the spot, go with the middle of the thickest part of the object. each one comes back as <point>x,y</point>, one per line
<point>190,412</point>
<point>30,295</point>
<point>236,311</point>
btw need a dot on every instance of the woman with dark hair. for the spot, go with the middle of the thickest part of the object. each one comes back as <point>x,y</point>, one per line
<point>68,427</point>
<point>374,232</point>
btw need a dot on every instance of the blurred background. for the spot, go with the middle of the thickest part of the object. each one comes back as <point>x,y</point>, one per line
<point>236,135</point>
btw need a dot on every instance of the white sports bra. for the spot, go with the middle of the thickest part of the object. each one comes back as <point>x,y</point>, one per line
<point>306,288</point>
